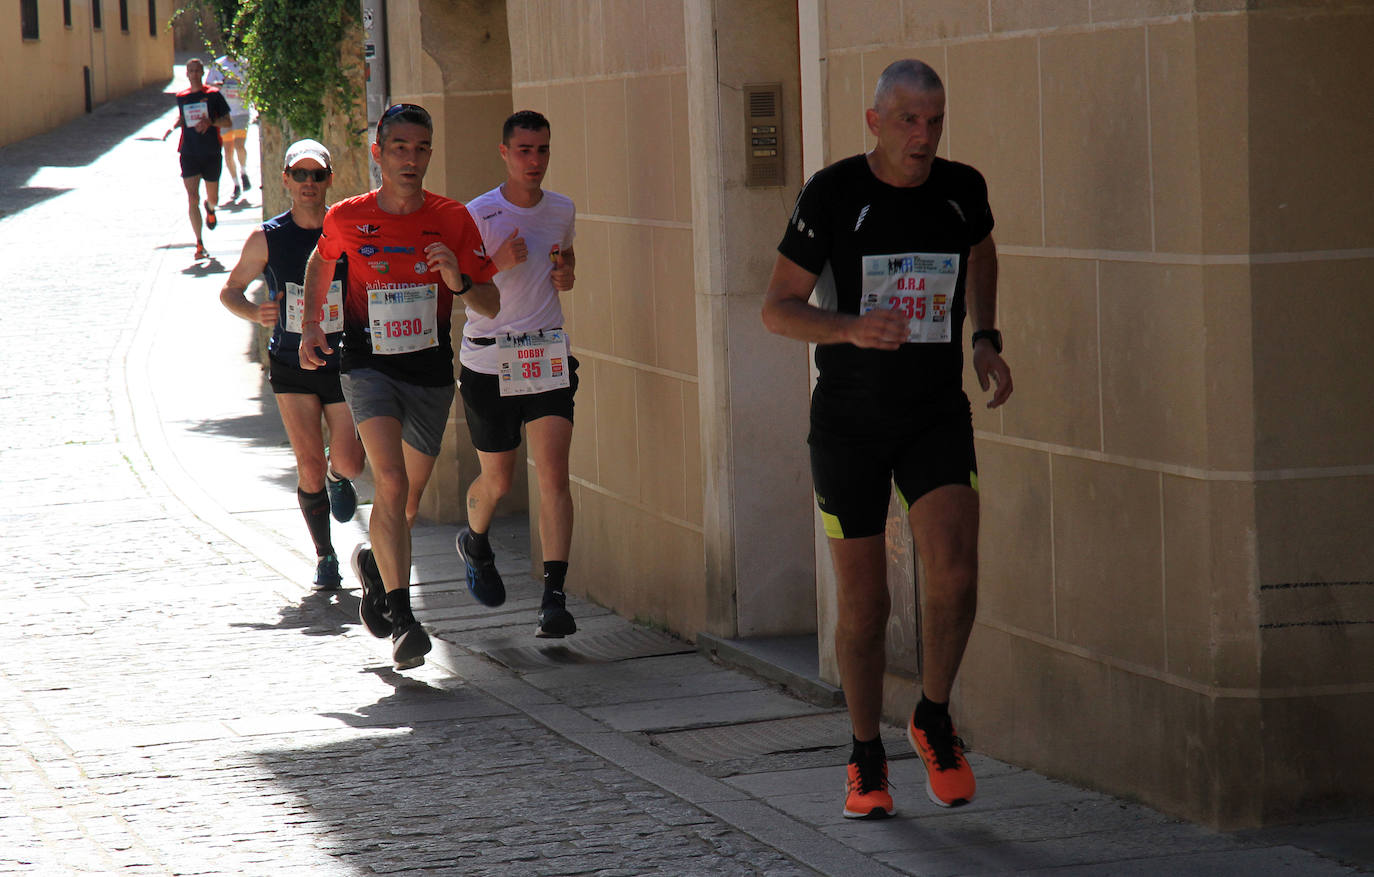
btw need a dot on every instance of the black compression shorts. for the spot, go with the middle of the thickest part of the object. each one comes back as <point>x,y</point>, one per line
<point>856,456</point>
<point>294,379</point>
<point>495,420</point>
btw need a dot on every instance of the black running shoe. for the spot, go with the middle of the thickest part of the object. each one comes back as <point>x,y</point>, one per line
<point>555,621</point>
<point>409,643</point>
<point>484,582</point>
<point>327,576</point>
<point>234,197</point>
<point>246,184</point>
<point>343,498</point>
<point>372,608</point>
<point>210,220</point>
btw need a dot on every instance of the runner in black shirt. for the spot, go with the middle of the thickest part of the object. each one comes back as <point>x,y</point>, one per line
<point>201,112</point>
<point>897,245</point>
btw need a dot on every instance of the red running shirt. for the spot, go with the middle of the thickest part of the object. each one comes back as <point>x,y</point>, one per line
<point>386,252</point>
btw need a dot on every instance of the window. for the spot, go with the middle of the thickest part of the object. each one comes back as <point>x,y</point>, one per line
<point>95,14</point>
<point>67,12</point>
<point>124,15</point>
<point>28,18</point>
<point>152,17</point>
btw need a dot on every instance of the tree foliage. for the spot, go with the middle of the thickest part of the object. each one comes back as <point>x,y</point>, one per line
<point>291,52</point>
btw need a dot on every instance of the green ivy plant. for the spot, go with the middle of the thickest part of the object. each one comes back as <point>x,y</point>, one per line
<point>290,49</point>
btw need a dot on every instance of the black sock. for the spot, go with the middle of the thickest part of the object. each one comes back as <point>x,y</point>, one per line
<point>478,544</point>
<point>555,571</point>
<point>929,713</point>
<point>866,749</point>
<point>398,604</point>
<point>315,508</point>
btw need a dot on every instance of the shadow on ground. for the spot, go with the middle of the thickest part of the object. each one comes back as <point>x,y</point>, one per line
<point>77,144</point>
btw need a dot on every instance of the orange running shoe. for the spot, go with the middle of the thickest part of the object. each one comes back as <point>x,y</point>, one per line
<point>200,252</point>
<point>866,795</point>
<point>210,220</point>
<point>949,779</point>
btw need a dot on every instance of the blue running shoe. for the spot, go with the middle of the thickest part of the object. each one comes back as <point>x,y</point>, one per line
<point>327,576</point>
<point>484,582</point>
<point>343,499</point>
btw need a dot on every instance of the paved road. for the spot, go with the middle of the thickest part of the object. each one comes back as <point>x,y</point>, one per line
<point>175,700</point>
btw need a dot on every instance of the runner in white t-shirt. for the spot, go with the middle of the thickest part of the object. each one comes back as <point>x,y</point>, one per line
<point>227,75</point>
<point>516,366</point>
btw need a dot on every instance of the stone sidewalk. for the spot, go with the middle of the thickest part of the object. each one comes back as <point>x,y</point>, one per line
<point>176,700</point>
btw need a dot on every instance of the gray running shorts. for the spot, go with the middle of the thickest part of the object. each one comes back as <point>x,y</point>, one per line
<point>422,411</point>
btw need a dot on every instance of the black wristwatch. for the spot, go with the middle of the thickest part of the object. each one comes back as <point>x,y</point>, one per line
<point>992,335</point>
<point>467,284</point>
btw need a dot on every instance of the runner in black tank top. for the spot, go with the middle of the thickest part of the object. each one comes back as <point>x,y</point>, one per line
<point>307,399</point>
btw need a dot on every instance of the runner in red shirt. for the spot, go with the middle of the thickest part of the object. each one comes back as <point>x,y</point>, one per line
<point>409,253</point>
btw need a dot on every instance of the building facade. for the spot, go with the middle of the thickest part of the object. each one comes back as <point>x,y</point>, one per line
<point>69,56</point>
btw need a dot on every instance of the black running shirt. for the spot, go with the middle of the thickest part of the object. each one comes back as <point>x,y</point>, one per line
<point>909,248</point>
<point>205,103</point>
<point>288,249</point>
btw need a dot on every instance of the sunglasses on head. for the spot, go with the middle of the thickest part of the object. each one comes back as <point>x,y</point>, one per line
<point>418,113</point>
<point>300,174</point>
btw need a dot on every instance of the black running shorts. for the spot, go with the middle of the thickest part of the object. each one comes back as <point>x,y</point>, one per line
<point>495,420</point>
<point>857,456</point>
<point>321,382</point>
<point>207,167</point>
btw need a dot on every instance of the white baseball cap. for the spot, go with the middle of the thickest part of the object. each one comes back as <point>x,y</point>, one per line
<point>307,149</point>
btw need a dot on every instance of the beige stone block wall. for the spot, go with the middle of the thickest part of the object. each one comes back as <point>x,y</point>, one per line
<point>51,66</point>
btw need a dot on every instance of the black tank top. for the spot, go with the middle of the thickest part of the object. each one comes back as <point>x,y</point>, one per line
<point>288,249</point>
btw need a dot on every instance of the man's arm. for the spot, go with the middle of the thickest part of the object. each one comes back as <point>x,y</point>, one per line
<point>787,312</point>
<point>484,298</point>
<point>319,272</point>
<point>175,124</point>
<point>980,291</point>
<point>251,262</point>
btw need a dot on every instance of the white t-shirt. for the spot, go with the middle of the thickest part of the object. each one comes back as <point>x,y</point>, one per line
<point>528,300</point>
<point>227,76</point>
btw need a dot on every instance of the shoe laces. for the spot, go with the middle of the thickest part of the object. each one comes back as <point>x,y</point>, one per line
<point>945,745</point>
<point>872,777</point>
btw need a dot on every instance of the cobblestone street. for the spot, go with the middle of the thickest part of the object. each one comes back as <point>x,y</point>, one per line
<point>175,700</point>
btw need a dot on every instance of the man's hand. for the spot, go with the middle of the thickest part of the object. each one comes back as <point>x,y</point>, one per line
<point>562,274</point>
<point>440,258</point>
<point>988,363</point>
<point>267,314</point>
<point>312,337</point>
<point>512,251</point>
<point>880,328</point>
<point>202,126</point>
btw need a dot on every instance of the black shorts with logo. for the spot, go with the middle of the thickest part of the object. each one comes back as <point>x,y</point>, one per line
<point>859,451</point>
<point>495,420</point>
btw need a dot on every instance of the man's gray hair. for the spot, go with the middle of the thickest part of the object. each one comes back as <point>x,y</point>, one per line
<point>910,72</point>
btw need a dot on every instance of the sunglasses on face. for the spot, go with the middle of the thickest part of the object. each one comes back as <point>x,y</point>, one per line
<point>300,175</point>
